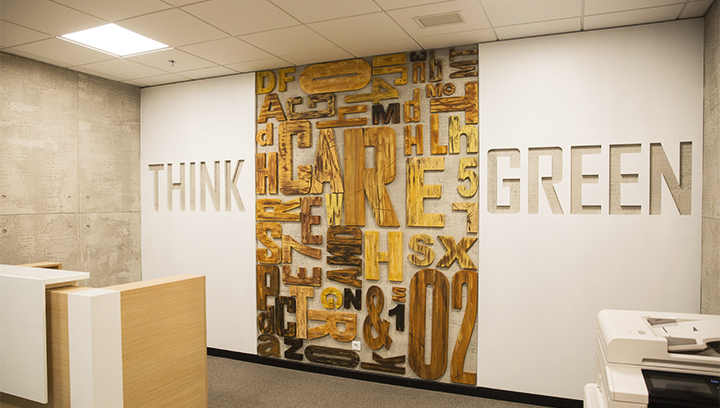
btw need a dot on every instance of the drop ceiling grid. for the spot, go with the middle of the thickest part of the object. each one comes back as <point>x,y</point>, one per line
<point>220,37</point>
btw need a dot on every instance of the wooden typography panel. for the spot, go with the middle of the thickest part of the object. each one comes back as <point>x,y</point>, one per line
<point>354,245</point>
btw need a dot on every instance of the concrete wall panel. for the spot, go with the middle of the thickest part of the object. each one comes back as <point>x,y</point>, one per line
<point>38,147</point>
<point>31,238</point>
<point>110,248</point>
<point>109,146</point>
<point>710,295</point>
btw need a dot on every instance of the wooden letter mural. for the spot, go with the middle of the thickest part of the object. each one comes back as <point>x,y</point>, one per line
<point>354,244</point>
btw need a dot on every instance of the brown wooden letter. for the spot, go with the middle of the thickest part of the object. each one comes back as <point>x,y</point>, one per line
<point>375,179</point>
<point>265,172</point>
<point>264,137</point>
<point>332,319</point>
<point>337,76</point>
<point>291,352</point>
<point>435,146</point>
<point>422,244</point>
<point>288,244</point>
<point>419,72</point>
<point>329,303</point>
<point>375,301</point>
<point>469,175</point>
<point>393,256</point>
<point>260,79</point>
<point>342,121</point>
<point>333,208</point>
<point>398,294</point>
<point>327,165</point>
<point>454,133</point>
<point>313,100</point>
<point>381,91</point>
<point>439,334</point>
<point>266,320</point>
<point>268,284</point>
<point>284,78</point>
<point>354,299</point>
<point>417,191</point>
<point>344,243</point>
<point>302,278</point>
<point>457,364</point>
<point>280,303</point>
<point>399,312</point>
<point>411,140</point>
<point>386,365</point>
<point>332,356</point>
<point>379,114</point>
<point>412,108</point>
<point>286,130</point>
<point>279,210</point>
<point>456,251</point>
<point>271,108</point>
<point>467,103</point>
<point>354,168</point>
<point>346,276</point>
<point>268,346</point>
<point>472,215</point>
<point>307,220</point>
<point>275,229</point>
<point>301,294</point>
<point>435,68</point>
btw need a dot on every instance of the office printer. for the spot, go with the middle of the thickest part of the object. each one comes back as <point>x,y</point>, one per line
<point>655,360</point>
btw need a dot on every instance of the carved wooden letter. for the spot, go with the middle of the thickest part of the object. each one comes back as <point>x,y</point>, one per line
<point>472,215</point>
<point>302,278</point>
<point>387,365</point>
<point>457,364</point>
<point>338,76</point>
<point>440,314</point>
<point>268,284</point>
<point>264,137</point>
<point>266,320</point>
<point>301,294</point>
<point>301,128</point>
<point>279,210</point>
<point>375,301</point>
<point>291,352</point>
<point>465,174</point>
<point>327,165</point>
<point>329,303</point>
<point>456,251</point>
<point>284,78</point>
<point>416,140</point>
<point>280,303</point>
<point>454,133</point>
<point>375,179</point>
<point>354,299</point>
<point>260,79</point>
<point>393,256</point>
<point>288,244</point>
<point>332,319</point>
<point>333,207</point>
<point>342,121</point>
<point>418,244</point>
<point>271,108</point>
<point>266,170</point>
<point>417,191</point>
<point>307,220</point>
<point>344,243</point>
<point>467,103</point>
<point>275,229</point>
<point>354,170</point>
<point>435,146</point>
<point>346,276</point>
<point>398,294</point>
<point>412,108</point>
<point>268,346</point>
<point>332,356</point>
<point>399,313</point>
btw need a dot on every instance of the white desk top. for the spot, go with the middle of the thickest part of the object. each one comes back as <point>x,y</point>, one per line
<point>48,276</point>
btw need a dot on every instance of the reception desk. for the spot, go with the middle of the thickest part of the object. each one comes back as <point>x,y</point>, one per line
<point>140,344</point>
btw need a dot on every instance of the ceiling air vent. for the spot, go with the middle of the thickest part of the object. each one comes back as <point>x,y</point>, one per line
<point>434,20</point>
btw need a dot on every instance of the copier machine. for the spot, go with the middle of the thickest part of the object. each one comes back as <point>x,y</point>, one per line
<point>655,360</point>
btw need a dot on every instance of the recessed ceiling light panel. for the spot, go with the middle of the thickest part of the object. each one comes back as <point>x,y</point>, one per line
<point>434,20</point>
<point>115,40</point>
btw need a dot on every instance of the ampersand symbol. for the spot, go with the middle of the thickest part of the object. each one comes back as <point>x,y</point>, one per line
<point>375,301</point>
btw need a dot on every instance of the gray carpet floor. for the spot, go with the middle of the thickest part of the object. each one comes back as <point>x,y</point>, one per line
<point>238,384</point>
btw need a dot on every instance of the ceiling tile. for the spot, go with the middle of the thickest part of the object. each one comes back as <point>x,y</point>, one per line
<point>451,39</point>
<point>158,80</point>
<point>471,11</point>
<point>13,34</point>
<point>47,17</point>
<point>94,73</point>
<point>314,57</point>
<point>242,17</point>
<point>113,10</point>
<point>64,52</point>
<point>173,27</point>
<point>207,72</point>
<point>397,4</point>
<point>625,18</point>
<point>310,11</point>
<point>161,60</point>
<point>696,9</point>
<point>611,6</point>
<point>290,40</point>
<point>260,65</point>
<point>226,51</point>
<point>369,49</point>
<point>178,3</point>
<point>369,28</point>
<point>511,12</point>
<point>537,29</point>
<point>122,68</point>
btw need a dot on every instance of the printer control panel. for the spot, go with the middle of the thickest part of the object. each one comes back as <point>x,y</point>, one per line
<point>669,389</point>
